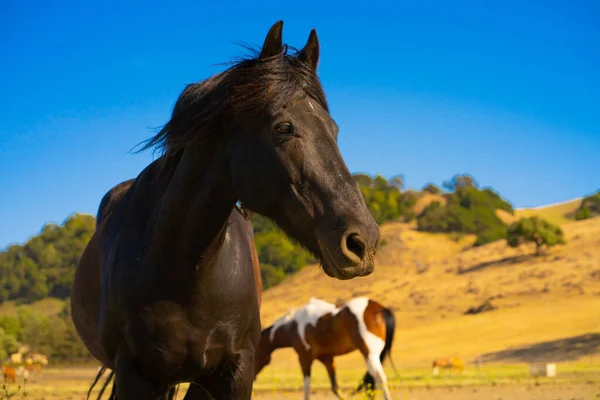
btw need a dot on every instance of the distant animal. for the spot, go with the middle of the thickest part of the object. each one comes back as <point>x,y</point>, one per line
<point>10,374</point>
<point>23,371</point>
<point>321,331</point>
<point>35,369</point>
<point>165,290</point>
<point>16,358</point>
<point>447,363</point>
<point>38,358</point>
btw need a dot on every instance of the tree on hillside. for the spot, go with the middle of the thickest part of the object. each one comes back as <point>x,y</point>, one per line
<point>590,207</point>
<point>45,265</point>
<point>432,189</point>
<point>534,230</point>
<point>459,181</point>
<point>468,210</point>
<point>397,182</point>
<point>8,344</point>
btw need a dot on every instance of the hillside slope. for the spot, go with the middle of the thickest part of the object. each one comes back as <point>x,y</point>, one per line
<point>431,280</point>
<point>555,213</point>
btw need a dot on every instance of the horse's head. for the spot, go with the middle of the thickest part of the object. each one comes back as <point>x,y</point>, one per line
<point>286,164</point>
<point>265,123</point>
<point>263,351</point>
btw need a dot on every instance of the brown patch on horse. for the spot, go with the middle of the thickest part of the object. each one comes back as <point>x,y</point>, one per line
<point>374,319</point>
<point>334,335</point>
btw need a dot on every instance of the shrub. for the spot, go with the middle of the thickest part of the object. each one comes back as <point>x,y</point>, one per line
<point>534,230</point>
<point>583,213</point>
<point>432,189</point>
<point>590,207</point>
<point>468,210</point>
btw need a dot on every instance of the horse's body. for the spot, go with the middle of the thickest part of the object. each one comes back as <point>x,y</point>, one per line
<point>113,197</point>
<point>447,363</point>
<point>107,204</point>
<point>166,290</point>
<point>322,331</point>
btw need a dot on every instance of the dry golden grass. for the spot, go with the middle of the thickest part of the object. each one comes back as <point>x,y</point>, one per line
<point>556,213</point>
<point>426,199</point>
<point>47,307</point>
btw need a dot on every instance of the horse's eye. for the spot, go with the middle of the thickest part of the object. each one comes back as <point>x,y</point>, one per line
<point>285,128</point>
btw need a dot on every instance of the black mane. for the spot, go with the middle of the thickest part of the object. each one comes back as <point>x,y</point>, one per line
<point>249,88</point>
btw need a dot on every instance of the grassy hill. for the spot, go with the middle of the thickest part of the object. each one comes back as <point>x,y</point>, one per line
<point>545,305</point>
<point>47,307</point>
<point>559,213</point>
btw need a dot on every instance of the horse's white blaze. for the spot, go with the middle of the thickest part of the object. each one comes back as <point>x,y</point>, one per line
<point>304,316</point>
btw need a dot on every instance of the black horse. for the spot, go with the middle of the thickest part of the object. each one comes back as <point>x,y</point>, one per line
<point>165,292</point>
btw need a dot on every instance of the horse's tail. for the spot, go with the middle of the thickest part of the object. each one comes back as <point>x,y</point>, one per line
<point>172,395</point>
<point>390,328</point>
<point>101,372</point>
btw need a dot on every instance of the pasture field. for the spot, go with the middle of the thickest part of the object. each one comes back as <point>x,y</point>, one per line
<point>574,381</point>
<point>544,309</point>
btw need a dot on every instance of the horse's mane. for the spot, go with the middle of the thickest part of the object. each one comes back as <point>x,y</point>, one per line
<point>250,87</point>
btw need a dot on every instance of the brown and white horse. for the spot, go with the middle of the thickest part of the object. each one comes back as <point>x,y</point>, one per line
<point>321,331</point>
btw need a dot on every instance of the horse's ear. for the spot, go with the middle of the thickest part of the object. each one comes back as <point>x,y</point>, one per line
<point>310,52</point>
<point>273,44</point>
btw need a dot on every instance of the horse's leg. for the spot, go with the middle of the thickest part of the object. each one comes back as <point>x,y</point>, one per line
<point>329,364</point>
<point>229,381</point>
<point>130,386</point>
<point>197,392</point>
<point>376,370</point>
<point>306,360</point>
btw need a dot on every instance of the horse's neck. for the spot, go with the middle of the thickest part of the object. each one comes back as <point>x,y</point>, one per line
<point>284,337</point>
<point>193,211</point>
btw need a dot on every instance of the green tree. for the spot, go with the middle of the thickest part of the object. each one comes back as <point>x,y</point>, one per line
<point>589,207</point>
<point>583,213</point>
<point>468,210</point>
<point>271,275</point>
<point>8,344</point>
<point>534,230</point>
<point>10,325</point>
<point>45,265</point>
<point>459,181</point>
<point>432,189</point>
<point>434,218</point>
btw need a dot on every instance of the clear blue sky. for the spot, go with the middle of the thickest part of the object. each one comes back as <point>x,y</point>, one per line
<point>509,92</point>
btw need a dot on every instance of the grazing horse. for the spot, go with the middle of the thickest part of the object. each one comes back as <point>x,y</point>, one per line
<point>321,331</point>
<point>165,291</point>
<point>10,374</point>
<point>447,363</point>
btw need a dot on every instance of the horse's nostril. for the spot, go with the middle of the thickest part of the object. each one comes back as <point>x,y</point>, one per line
<point>356,246</point>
